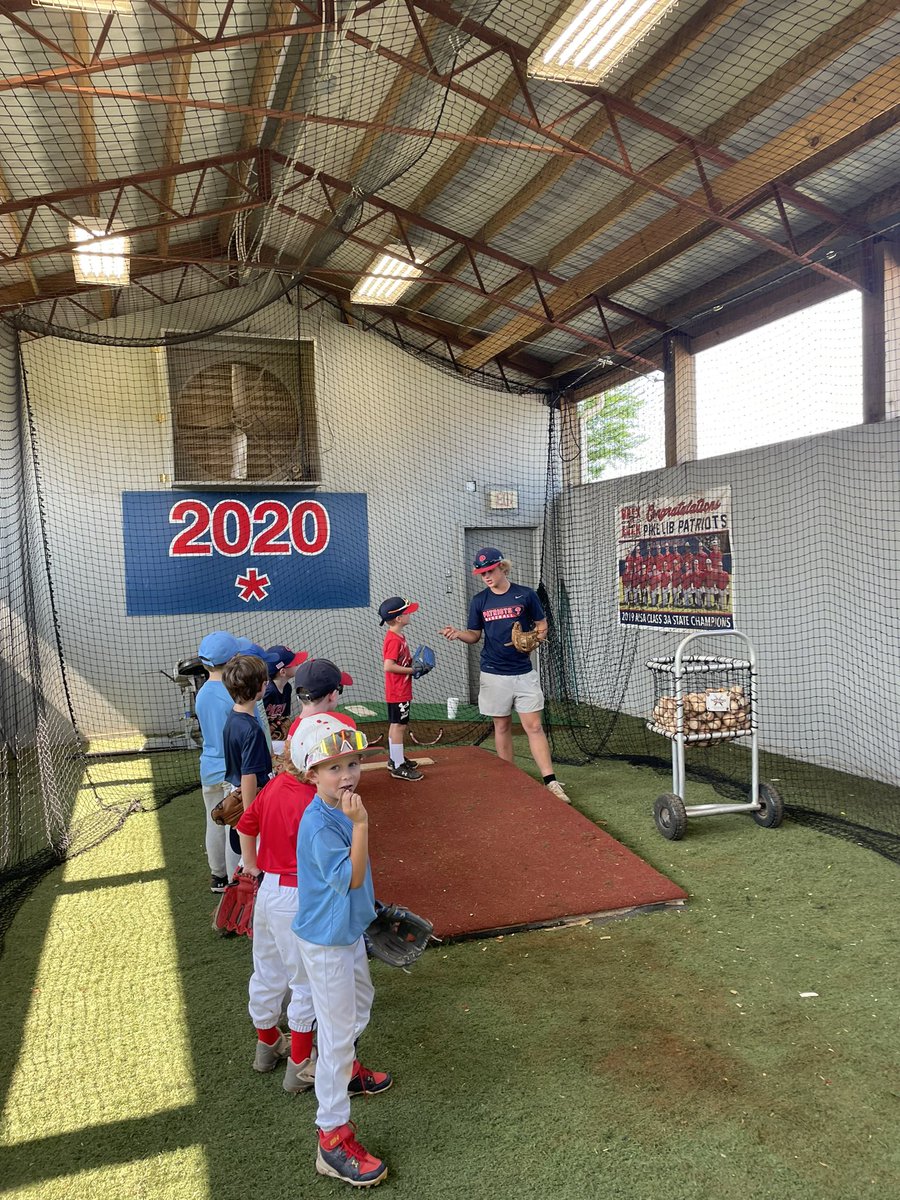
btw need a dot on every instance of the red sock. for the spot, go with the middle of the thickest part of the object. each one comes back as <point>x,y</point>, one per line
<point>269,1036</point>
<point>301,1045</point>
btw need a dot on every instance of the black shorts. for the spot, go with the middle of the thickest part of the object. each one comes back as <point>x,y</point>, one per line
<point>398,714</point>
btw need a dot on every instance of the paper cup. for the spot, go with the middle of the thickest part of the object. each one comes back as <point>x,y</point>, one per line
<point>452,706</point>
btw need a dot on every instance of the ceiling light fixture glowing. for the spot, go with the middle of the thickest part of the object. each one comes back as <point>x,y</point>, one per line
<point>101,259</point>
<point>386,279</point>
<point>587,42</point>
<point>95,6</point>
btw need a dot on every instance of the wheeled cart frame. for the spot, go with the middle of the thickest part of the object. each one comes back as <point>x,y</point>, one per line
<point>724,711</point>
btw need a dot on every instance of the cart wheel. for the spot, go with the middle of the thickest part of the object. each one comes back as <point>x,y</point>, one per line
<point>772,811</point>
<point>670,817</point>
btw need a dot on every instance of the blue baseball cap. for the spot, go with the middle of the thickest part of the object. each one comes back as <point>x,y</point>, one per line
<point>218,648</point>
<point>245,646</point>
<point>486,559</point>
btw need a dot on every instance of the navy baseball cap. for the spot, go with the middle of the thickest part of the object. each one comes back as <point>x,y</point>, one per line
<point>486,559</point>
<point>396,606</point>
<point>283,657</point>
<point>317,677</point>
<point>218,648</point>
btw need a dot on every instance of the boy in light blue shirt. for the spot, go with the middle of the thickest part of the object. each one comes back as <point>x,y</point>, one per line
<point>212,707</point>
<point>336,905</point>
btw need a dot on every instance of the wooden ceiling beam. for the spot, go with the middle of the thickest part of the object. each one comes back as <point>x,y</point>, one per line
<point>824,49</point>
<point>264,74</point>
<point>658,67</point>
<point>867,100</point>
<point>180,71</point>
<point>76,70</point>
<point>735,285</point>
<point>62,284</point>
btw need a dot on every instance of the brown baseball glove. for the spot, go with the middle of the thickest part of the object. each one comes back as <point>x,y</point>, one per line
<point>524,640</point>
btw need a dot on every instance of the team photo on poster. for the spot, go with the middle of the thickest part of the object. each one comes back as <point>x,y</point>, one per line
<point>675,562</point>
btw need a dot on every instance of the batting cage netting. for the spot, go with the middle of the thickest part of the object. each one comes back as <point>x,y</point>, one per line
<point>280,484</point>
<point>239,440</point>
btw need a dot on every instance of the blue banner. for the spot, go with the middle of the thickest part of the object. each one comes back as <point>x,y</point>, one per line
<point>215,552</point>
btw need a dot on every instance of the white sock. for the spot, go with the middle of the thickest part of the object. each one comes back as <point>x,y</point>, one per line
<point>397,755</point>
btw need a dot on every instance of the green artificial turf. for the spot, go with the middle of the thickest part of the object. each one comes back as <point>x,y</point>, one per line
<point>664,1055</point>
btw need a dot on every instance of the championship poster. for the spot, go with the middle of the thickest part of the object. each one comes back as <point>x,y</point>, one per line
<point>676,567</point>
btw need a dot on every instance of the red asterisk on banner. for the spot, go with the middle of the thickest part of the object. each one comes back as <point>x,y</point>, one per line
<point>252,586</point>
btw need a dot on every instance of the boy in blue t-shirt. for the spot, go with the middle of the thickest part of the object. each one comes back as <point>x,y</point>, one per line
<point>508,678</point>
<point>212,707</point>
<point>336,905</point>
<point>248,763</point>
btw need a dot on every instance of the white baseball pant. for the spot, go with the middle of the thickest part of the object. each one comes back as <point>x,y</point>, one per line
<point>221,857</point>
<point>342,995</point>
<point>277,963</point>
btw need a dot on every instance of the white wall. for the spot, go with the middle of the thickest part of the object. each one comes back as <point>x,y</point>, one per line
<point>816,543</point>
<point>389,425</point>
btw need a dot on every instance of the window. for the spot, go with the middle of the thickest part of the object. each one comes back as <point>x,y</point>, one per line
<point>243,411</point>
<point>623,429</point>
<point>793,378</point>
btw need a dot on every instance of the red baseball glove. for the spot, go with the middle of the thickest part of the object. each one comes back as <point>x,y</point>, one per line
<point>234,912</point>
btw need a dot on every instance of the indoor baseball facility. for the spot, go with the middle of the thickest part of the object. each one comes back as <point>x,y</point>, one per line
<point>315,312</point>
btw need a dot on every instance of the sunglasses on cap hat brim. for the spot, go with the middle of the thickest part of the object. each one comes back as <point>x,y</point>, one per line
<point>348,743</point>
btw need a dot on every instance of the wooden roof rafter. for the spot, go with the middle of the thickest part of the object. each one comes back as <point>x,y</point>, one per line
<point>822,50</point>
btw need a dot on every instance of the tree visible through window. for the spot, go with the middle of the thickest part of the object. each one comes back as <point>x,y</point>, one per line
<point>623,429</point>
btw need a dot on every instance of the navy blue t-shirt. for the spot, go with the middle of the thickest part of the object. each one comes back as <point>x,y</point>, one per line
<point>495,615</point>
<point>277,703</point>
<point>246,752</point>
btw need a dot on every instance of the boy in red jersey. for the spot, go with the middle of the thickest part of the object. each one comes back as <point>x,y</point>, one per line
<point>395,612</point>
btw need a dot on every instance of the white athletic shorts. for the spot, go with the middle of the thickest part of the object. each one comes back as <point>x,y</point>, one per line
<point>498,695</point>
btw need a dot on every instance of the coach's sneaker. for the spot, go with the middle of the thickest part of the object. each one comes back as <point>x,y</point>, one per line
<point>364,1082</point>
<point>558,790</point>
<point>300,1077</point>
<point>408,771</point>
<point>268,1057</point>
<point>342,1157</point>
<point>218,883</point>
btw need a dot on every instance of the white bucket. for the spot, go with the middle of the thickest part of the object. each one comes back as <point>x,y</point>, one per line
<point>452,706</point>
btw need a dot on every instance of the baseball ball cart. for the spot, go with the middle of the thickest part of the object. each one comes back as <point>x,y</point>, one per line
<point>701,699</point>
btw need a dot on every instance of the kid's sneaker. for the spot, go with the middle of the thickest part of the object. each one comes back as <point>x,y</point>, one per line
<point>268,1057</point>
<point>300,1077</point>
<point>364,1082</point>
<point>340,1156</point>
<point>408,771</point>
<point>218,883</point>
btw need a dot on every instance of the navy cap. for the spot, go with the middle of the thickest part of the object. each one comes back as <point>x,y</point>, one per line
<point>283,657</point>
<point>217,648</point>
<point>318,677</point>
<point>486,558</point>
<point>396,606</point>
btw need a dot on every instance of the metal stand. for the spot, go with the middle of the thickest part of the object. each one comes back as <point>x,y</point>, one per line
<point>730,713</point>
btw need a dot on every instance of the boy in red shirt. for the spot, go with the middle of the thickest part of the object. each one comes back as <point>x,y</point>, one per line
<point>274,818</point>
<point>398,672</point>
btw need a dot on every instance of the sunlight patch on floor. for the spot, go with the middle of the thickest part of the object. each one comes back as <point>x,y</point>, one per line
<point>111,1052</point>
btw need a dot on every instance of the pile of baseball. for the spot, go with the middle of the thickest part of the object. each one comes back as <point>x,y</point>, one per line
<point>699,719</point>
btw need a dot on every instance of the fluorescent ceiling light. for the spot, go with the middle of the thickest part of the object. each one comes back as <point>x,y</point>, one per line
<point>102,259</point>
<point>98,6</point>
<point>592,37</point>
<point>386,279</point>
